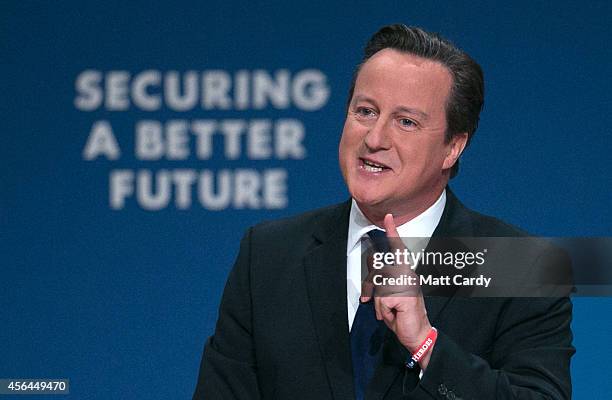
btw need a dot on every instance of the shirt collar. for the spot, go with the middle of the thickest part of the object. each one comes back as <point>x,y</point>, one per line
<point>423,225</point>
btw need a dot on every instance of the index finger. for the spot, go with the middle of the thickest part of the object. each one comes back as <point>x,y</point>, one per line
<point>390,226</point>
<point>393,236</point>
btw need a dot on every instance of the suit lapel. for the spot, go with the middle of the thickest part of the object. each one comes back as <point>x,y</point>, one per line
<point>325,271</point>
<point>455,222</point>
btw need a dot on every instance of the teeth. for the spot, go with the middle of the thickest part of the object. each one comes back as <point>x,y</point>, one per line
<point>372,167</point>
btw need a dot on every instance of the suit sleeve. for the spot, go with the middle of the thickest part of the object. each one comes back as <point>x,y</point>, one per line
<point>531,351</point>
<point>530,358</point>
<point>228,370</point>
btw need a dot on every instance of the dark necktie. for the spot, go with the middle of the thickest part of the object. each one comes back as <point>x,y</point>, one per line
<point>367,333</point>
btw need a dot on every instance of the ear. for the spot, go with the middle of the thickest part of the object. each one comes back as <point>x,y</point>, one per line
<point>455,148</point>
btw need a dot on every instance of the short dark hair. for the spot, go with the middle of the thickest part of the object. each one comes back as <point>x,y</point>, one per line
<point>466,97</point>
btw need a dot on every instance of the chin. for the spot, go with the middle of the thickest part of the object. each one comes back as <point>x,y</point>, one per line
<point>366,197</point>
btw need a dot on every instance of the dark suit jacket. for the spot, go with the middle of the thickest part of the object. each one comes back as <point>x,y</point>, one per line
<point>282,331</point>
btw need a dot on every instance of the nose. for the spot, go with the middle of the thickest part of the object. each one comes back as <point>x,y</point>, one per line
<point>377,137</point>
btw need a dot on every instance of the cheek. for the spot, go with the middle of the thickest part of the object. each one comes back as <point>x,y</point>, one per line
<point>418,156</point>
<point>410,153</point>
<point>344,153</point>
<point>343,148</point>
<point>350,141</point>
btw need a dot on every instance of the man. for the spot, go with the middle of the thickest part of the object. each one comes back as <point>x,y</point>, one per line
<point>291,319</point>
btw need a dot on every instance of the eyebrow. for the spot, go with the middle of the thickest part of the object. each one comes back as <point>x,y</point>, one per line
<point>405,109</point>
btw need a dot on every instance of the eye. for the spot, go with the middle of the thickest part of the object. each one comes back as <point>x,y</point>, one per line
<point>364,112</point>
<point>407,123</point>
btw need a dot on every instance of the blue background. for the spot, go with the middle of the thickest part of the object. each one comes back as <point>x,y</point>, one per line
<point>121,302</point>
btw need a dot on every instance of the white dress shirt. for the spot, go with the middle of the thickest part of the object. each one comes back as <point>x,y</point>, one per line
<point>422,226</point>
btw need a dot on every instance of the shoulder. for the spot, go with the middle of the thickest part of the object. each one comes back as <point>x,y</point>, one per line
<point>304,225</point>
<point>277,248</point>
<point>486,225</point>
<point>458,220</point>
<point>545,265</point>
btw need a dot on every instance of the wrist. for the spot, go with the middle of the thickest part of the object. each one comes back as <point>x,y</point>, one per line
<point>424,362</point>
<point>422,354</point>
<point>414,344</point>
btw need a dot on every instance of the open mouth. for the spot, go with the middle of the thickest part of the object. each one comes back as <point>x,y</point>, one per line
<point>371,166</point>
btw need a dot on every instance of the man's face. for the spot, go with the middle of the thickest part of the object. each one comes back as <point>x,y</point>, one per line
<point>393,153</point>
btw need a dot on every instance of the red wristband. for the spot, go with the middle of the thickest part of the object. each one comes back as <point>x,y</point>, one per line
<point>427,344</point>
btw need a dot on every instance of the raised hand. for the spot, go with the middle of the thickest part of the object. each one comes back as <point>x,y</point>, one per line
<point>402,308</point>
